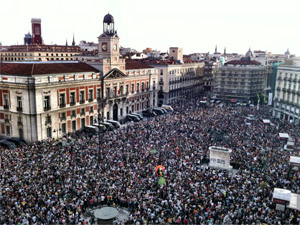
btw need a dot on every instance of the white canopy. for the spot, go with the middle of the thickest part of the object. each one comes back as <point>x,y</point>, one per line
<point>282,194</point>
<point>284,135</point>
<point>295,159</point>
<point>266,121</point>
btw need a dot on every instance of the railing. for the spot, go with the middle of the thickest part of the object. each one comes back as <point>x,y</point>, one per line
<point>19,109</point>
<point>62,105</point>
<point>6,106</point>
<point>73,116</point>
<point>161,83</point>
<point>20,123</point>
<point>63,118</point>
<point>6,120</point>
<point>72,103</point>
<point>82,113</point>
<point>47,122</point>
<point>47,108</point>
<point>82,101</point>
<point>91,99</point>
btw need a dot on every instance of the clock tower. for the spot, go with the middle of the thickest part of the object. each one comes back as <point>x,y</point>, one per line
<point>108,46</point>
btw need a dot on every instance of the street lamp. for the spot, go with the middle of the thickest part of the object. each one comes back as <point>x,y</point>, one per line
<point>99,135</point>
<point>56,131</point>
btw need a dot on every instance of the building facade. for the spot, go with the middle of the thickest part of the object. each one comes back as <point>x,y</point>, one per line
<point>39,53</point>
<point>287,92</point>
<point>176,80</point>
<point>240,80</point>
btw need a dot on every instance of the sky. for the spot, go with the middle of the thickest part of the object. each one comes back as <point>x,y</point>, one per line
<point>194,25</point>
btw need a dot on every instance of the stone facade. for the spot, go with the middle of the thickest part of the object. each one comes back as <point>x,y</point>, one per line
<point>287,93</point>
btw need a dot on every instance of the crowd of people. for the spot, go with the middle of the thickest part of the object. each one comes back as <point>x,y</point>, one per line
<point>46,183</point>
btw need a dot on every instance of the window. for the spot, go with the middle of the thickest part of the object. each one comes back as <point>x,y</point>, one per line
<point>121,92</point>
<point>107,92</point>
<point>91,110</point>
<point>138,87</point>
<point>6,101</point>
<point>47,103</point>
<point>115,91</point>
<point>81,97</point>
<point>127,88</point>
<point>72,98</point>
<point>138,107</point>
<point>48,120</point>
<point>62,101</point>
<point>21,133</point>
<point>91,95</point>
<point>49,132</point>
<point>63,116</point>
<point>73,125</point>
<point>91,120</point>
<point>147,85</point>
<point>82,122</point>
<point>82,112</point>
<point>132,108</point>
<point>143,86</point>
<point>64,128</point>
<point>153,85</point>
<point>19,103</point>
<point>8,130</point>
<point>107,116</point>
<point>121,111</point>
<point>132,88</point>
<point>98,93</point>
<point>73,114</point>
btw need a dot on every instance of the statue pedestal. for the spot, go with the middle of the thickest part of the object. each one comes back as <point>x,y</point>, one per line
<point>220,157</point>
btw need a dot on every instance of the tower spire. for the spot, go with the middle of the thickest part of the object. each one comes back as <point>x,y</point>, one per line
<point>73,42</point>
<point>66,42</point>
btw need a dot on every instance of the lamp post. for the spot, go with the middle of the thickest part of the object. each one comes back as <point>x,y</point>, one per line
<point>56,131</point>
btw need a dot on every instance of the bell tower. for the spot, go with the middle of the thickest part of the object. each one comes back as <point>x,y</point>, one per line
<point>108,46</point>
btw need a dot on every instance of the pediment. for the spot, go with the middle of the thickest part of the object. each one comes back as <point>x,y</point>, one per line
<point>114,73</point>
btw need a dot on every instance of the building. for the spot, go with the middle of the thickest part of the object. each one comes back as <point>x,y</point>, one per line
<point>177,79</point>
<point>239,80</point>
<point>88,46</point>
<point>39,53</point>
<point>287,91</point>
<point>63,96</point>
<point>38,98</point>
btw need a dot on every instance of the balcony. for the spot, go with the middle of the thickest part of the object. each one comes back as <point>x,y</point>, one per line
<point>91,99</point>
<point>161,82</point>
<point>6,106</point>
<point>20,123</point>
<point>47,122</point>
<point>6,120</point>
<point>72,103</point>
<point>47,108</point>
<point>62,105</point>
<point>63,118</point>
<point>91,111</point>
<point>82,101</point>
<point>82,113</point>
<point>73,116</point>
<point>19,109</point>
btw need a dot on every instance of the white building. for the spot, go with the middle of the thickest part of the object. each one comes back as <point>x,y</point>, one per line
<point>287,91</point>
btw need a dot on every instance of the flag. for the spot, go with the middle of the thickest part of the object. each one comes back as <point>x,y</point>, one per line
<point>161,181</point>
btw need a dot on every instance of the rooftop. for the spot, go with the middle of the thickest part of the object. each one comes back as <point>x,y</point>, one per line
<point>41,48</point>
<point>132,64</point>
<point>39,68</point>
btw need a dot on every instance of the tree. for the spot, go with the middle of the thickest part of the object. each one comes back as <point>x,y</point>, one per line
<point>255,99</point>
<point>262,99</point>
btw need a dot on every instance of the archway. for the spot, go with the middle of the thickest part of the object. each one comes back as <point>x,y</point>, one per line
<point>115,112</point>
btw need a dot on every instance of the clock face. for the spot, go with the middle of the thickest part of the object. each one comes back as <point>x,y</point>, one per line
<point>104,47</point>
<point>115,47</point>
